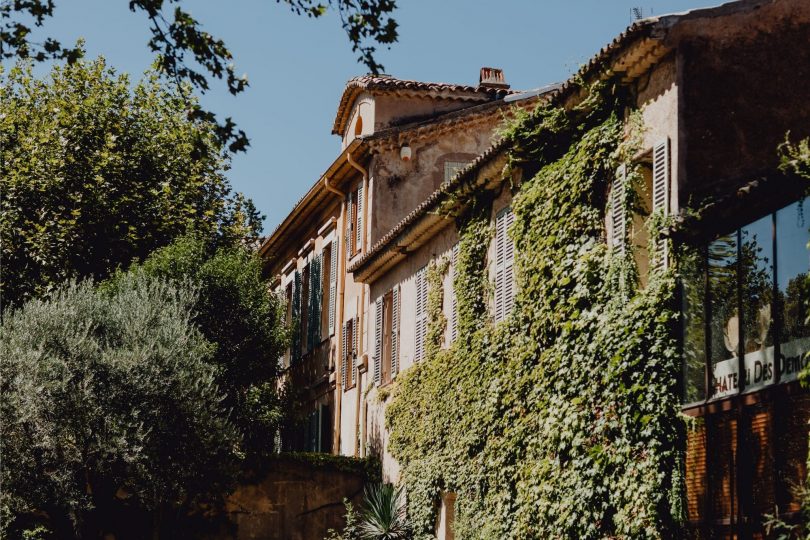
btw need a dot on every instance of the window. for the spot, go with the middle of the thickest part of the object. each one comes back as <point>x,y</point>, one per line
<point>745,308</point>
<point>304,341</point>
<point>420,333</point>
<point>452,167</point>
<point>504,261</point>
<point>288,318</point>
<point>354,221</point>
<point>326,292</point>
<point>386,353</point>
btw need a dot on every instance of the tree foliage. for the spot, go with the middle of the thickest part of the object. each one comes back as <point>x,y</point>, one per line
<point>235,311</point>
<point>109,398</point>
<point>188,55</point>
<point>95,173</point>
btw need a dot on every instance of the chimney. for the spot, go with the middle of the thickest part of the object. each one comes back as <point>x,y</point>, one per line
<point>492,78</point>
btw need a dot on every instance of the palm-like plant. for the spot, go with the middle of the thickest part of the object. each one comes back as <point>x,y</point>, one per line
<point>384,516</point>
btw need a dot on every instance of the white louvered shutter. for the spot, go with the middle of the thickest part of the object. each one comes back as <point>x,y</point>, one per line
<point>454,305</point>
<point>334,254</point>
<point>660,198</point>
<point>421,308</point>
<point>508,265</point>
<point>356,344</point>
<point>378,340</point>
<point>618,218</point>
<point>344,354</point>
<point>359,232</point>
<point>395,332</point>
<point>500,264</point>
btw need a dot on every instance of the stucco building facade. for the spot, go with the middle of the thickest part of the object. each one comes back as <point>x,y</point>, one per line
<point>717,91</point>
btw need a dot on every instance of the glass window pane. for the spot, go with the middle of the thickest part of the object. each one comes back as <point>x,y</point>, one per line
<point>694,326</point>
<point>792,266</point>
<point>724,320</point>
<point>756,258</point>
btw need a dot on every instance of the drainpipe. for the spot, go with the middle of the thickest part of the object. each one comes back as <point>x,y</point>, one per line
<point>362,310</point>
<point>340,253</point>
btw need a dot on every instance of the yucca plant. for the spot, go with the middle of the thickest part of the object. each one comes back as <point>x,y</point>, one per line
<point>384,516</point>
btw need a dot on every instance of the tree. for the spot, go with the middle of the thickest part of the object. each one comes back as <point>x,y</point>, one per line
<point>95,173</point>
<point>235,311</point>
<point>365,22</point>
<point>109,400</point>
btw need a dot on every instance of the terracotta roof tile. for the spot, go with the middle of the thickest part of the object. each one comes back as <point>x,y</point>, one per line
<point>388,84</point>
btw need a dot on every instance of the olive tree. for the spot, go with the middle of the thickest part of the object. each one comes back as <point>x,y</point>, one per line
<point>109,398</point>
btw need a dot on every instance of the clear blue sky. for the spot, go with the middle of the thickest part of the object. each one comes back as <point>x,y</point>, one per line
<point>297,67</point>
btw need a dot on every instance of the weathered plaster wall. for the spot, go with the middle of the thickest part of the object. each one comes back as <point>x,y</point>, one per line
<point>400,186</point>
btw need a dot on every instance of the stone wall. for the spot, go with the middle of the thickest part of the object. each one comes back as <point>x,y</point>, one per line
<point>298,497</point>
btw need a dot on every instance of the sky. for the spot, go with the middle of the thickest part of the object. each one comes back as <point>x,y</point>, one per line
<point>297,67</point>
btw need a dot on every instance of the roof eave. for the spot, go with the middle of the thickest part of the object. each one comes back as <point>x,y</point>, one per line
<point>337,171</point>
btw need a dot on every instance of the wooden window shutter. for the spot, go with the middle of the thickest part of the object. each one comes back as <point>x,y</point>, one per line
<point>316,295</point>
<point>454,306</point>
<point>344,354</point>
<point>421,308</point>
<point>660,198</point>
<point>618,215</point>
<point>395,332</point>
<point>359,233</point>
<point>356,344</point>
<point>500,264</point>
<point>349,225</point>
<point>295,342</point>
<point>508,264</point>
<point>378,340</point>
<point>334,253</point>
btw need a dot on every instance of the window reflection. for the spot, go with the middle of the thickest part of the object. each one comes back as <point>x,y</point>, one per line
<point>756,258</point>
<point>724,320</point>
<point>757,302</point>
<point>793,263</point>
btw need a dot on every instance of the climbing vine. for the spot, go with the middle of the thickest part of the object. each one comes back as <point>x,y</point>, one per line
<point>562,421</point>
<point>437,322</point>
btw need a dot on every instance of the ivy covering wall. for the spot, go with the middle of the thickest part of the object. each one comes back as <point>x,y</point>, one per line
<point>562,421</point>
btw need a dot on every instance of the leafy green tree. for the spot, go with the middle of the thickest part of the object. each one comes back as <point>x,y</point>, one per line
<point>187,53</point>
<point>95,172</point>
<point>109,399</point>
<point>235,311</point>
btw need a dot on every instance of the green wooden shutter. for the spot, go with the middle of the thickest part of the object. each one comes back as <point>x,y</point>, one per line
<point>295,342</point>
<point>349,210</point>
